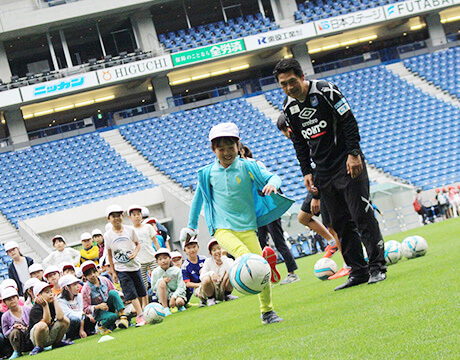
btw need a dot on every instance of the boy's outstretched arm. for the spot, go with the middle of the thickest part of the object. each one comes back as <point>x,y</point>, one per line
<point>272,181</point>
<point>195,209</point>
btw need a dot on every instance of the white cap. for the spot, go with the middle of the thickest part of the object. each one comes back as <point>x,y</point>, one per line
<point>193,240</point>
<point>9,292</point>
<point>211,243</point>
<point>113,209</point>
<point>145,212</point>
<point>162,251</point>
<point>78,273</point>
<point>96,232</point>
<point>87,265</point>
<point>31,283</point>
<point>40,287</point>
<point>8,283</point>
<point>108,226</point>
<point>35,267</point>
<point>66,266</point>
<point>224,129</point>
<point>11,245</point>
<point>67,280</point>
<point>175,254</point>
<point>51,269</point>
<point>134,207</point>
<point>58,237</point>
<point>85,236</point>
<point>149,220</point>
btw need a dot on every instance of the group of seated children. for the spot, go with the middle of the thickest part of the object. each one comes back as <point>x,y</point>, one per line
<point>75,296</point>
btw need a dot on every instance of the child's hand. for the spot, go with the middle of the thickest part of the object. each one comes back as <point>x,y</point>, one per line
<point>40,301</point>
<point>83,334</point>
<point>102,306</point>
<point>91,318</point>
<point>186,234</point>
<point>268,189</point>
<point>166,279</point>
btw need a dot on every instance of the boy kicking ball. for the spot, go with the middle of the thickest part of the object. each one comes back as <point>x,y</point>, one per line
<point>238,197</point>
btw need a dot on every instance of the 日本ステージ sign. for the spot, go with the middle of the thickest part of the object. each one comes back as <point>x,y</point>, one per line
<point>59,86</point>
<point>412,7</point>
<point>208,52</point>
<point>280,36</point>
<point>349,21</point>
<point>134,69</point>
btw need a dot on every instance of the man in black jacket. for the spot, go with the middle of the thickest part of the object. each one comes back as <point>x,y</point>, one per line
<point>19,268</point>
<point>325,131</point>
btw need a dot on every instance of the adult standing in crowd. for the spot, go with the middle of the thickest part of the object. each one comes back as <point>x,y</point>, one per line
<point>19,268</point>
<point>325,131</point>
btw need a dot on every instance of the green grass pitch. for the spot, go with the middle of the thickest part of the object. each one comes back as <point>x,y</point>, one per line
<point>414,314</point>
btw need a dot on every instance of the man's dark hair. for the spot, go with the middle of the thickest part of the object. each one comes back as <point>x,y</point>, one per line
<point>281,123</point>
<point>224,140</point>
<point>89,271</point>
<point>287,65</point>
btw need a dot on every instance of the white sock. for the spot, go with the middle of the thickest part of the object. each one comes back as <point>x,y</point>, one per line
<point>331,242</point>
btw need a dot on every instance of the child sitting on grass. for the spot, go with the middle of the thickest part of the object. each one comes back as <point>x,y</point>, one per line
<point>191,269</point>
<point>47,322</point>
<point>72,305</point>
<point>101,300</point>
<point>176,258</point>
<point>167,282</point>
<point>214,275</point>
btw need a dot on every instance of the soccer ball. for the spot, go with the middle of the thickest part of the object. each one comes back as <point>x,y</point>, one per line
<point>154,313</point>
<point>392,252</point>
<point>250,274</point>
<point>408,247</point>
<point>324,268</point>
<point>421,246</point>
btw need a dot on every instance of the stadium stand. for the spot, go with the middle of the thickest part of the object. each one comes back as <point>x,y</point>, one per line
<point>187,147</point>
<point>216,32</point>
<point>399,126</point>
<point>5,261</point>
<point>321,9</point>
<point>442,68</point>
<point>62,174</point>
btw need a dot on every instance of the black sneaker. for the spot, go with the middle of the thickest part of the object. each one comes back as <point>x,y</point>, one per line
<point>353,281</point>
<point>377,276</point>
<point>62,343</point>
<point>270,318</point>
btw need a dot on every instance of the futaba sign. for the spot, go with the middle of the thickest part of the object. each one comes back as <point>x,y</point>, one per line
<point>415,6</point>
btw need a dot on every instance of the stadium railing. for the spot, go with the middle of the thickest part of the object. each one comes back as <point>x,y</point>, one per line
<point>59,129</point>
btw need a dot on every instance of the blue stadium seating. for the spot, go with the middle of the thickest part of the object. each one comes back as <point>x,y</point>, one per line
<point>5,261</point>
<point>404,131</point>
<point>216,32</point>
<point>180,145</point>
<point>314,10</point>
<point>442,68</point>
<point>63,174</point>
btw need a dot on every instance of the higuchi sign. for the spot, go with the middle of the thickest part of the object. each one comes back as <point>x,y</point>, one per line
<point>134,69</point>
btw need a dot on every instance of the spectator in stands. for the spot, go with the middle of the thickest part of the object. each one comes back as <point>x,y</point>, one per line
<point>191,269</point>
<point>98,238</point>
<point>214,275</point>
<point>72,305</point>
<point>36,271</point>
<point>314,207</point>
<point>52,276</point>
<point>122,248</point>
<point>29,299</point>
<point>176,258</point>
<point>101,301</point>
<point>147,236</point>
<point>420,208</point>
<point>19,268</point>
<point>325,131</point>
<point>167,283</point>
<point>89,251</point>
<point>229,191</point>
<point>47,322</point>
<point>15,322</point>
<point>61,254</point>
<point>276,232</point>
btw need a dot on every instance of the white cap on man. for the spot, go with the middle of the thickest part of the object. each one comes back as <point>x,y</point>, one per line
<point>11,245</point>
<point>67,280</point>
<point>134,207</point>
<point>40,287</point>
<point>51,269</point>
<point>8,292</point>
<point>85,236</point>
<point>226,129</point>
